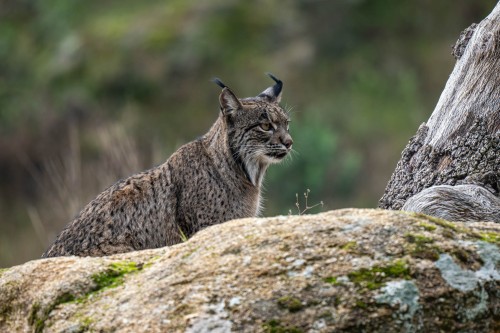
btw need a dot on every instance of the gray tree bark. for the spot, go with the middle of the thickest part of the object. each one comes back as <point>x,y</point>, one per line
<point>460,143</point>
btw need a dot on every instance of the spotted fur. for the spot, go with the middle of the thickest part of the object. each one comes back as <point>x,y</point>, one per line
<point>208,181</point>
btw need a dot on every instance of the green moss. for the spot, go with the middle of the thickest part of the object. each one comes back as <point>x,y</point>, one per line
<point>85,324</point>
<point>451,228</point>
<point>418,239</point>
<point>313,302</point>
<point>11,291</point>
<point>349,246</point>
<point>490,237</point>
<point>39,315</point>
<point>461,255</point>
<point>292,304</point>
<point>469,258</point>
<point>360,304</point>
<point>375,277</point>
<point>332,280</point>
<point>64,298</point>
<point>397,269</point>
<point>114,275</point>
<point>448,233</point>
<point>427,226</point>
<point>435,220</point>
<point>426,252</point>
<point>35,319</point>
<point>274,326</point>
<point>325,315</point>
<point>33,312</point>
<point>421,247</point>
<point>444,223</point>
<point>4,312</point>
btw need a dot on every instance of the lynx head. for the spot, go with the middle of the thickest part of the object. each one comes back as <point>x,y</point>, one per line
<point>257,129</point>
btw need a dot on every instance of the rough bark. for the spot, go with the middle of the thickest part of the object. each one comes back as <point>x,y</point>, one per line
<point>341,271</point>
<point>460,143</point>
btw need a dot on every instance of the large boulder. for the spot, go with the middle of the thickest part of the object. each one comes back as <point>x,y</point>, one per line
<point>341,271</point>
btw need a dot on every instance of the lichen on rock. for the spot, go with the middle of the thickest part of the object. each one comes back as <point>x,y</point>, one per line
<point>345,271</point>
<point>405,294</point>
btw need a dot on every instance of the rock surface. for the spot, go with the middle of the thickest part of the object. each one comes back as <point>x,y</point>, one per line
<point>344,271</point>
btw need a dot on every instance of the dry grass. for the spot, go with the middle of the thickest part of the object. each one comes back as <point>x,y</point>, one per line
<point>67,183</point>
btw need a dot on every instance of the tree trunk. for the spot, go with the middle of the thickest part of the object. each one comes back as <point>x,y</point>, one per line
<point>460,143</point>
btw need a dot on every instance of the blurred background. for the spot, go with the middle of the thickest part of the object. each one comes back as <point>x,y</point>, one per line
<point>93,91</point>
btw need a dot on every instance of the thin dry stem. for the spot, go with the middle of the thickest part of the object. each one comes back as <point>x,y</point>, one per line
<point>307,207</point>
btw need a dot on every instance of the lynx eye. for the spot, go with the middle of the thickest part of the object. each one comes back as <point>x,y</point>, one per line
<point>266,126</point>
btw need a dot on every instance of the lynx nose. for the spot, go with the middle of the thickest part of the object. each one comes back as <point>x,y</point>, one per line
<point>287,141</point>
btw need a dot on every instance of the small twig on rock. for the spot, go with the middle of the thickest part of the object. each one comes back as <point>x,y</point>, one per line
<point>297,204</point>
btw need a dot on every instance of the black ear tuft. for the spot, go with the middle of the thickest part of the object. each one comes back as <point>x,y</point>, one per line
<point>227,99</point>
<point>273,94</point>
<point>278,86</point>
<point>218,82</point>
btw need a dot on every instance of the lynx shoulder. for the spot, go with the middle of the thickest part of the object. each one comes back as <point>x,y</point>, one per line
<point>213,179</point>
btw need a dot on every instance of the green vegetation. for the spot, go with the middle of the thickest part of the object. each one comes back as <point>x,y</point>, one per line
<point>490,237</point>
<point>435,220</point>
<point>332,280</point>
<point>373,278</point>
<point>35,319</point>
<point>418,239</point>
<point>5,309</point>
<point>182,235</point>
<point>325,315</point>
<point>274,326</point>
<point>443,223</point>
<point>468,257</point>
<point>421,247</point>
<point>349,246</point>
<point>360,304</point>
<point>112,277</point>
<point>11,289</point>
<point>39,315</point>
<point>290,303</point>
<point>427,226</point>
<point>85,323</point>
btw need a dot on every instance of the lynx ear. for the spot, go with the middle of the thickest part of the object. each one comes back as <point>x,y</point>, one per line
<point>227,99</point>
<point>273,94</point>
